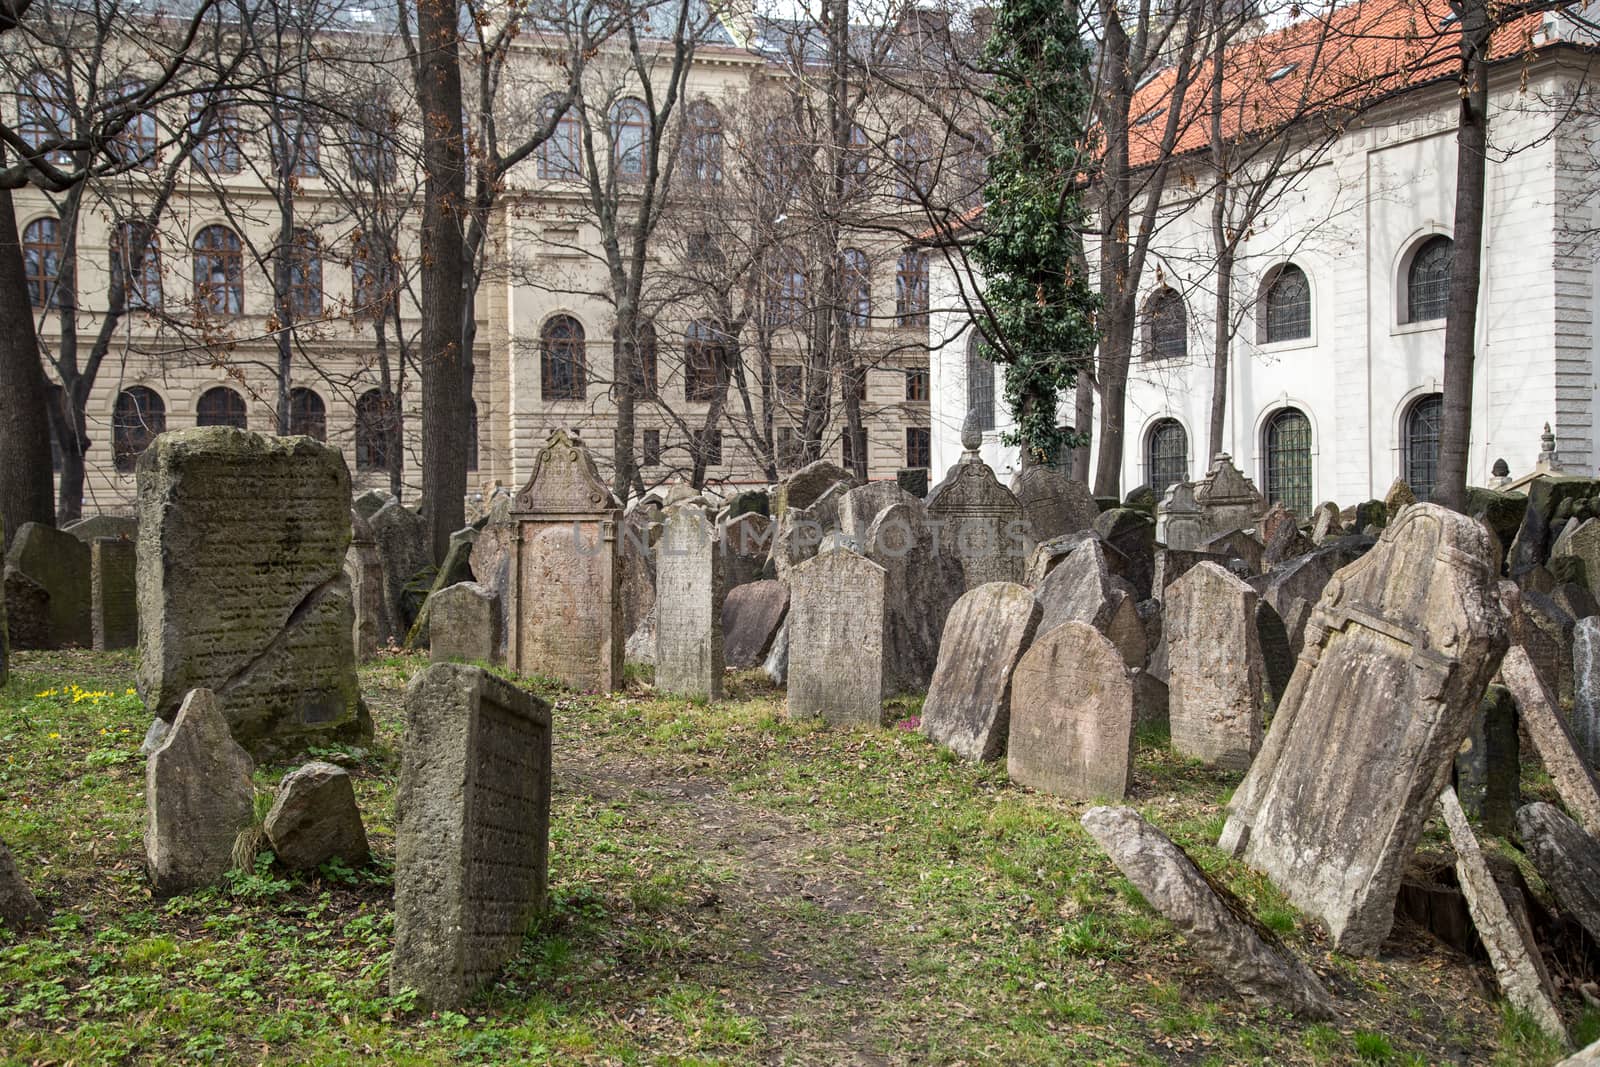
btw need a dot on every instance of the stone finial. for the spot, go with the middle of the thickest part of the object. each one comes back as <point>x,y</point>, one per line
<point>971,432</point>
<point>1501,469</point>
<point>1547,442</point>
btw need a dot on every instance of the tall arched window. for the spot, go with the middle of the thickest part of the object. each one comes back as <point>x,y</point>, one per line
<point>138,416</point>
<point>219,271</point>
<point>43,116</point>
<point>788,286</point>
<point>980,380</point>
<point>856,275</point>
<point>374,277</point>
<point>1286,306</point>
<point>704,361</point>
<point>702,149</point>
<point>372,135</point>
<point>858,164</point>
<point>1166,326</point>
<point>1428,280</point>
<point>561,359</point>
<point>1288,460</point>
<point>913,158</point>
<point>305,274</point>
<point>41,261</point>
<point>142,279</point>
<point>560,155</point>
<point>308,415</point>
<point>1167,454</point>
<point>221,406</point>
<point>372,431</point>
<point>630,139</point>
<point>1422,444</point>
<point>217,124</point>
<point>911,289</point>
<point>135,145</point>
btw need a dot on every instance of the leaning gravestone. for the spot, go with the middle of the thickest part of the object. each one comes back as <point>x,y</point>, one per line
<point>113,594</point>
<point>1072,716</point>
<point>752,614</point>
<point>859,506</point>
<point>198,798</point>
<point>968,708</point>
<point>836,634</point>
<point>60,563</point>
<point>806,485</point>
<point>1133,534</point>
<point>746,544</point>
<point>689,594</point>
<point>1053,503</point>
<point>242,589</point>
<point>1566,858</point>
<point>565,608</point>
<point>979,520</point>
<point>402,549</point>
<point>27,611</point>
<point>1214,668</point>
<point>473,831</point>
<point>920,586</point>
<point>1397,655</point>
<point>463,622</point>
<point>1586,690</point>
<point>314,819</point>
<point>1082,590</point>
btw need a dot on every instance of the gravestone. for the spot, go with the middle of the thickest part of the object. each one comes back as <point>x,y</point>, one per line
<point>1287,543</point>
<point>456,568</point>
<point>914,480</point>
<point>19,908</point>
<point>746,546</point>
<point>5,625</point>
<point>920,587</point>
<point>1180,525</point>
<point>1214,668</point>
<point>836,639</point>
<point>1580,542</point>
<point>1586,690</point>
<point>1174,563</point>
<point>314,819</point>
<point>59,562</point>
<point>491,568</point>
<point>1325,522</point>
<point>1133,534</point>
<point>1048,555</point>
<point>93,527</point>
<point>401,537</point>
<point>1488,764</point>
<point>979,520</point>
<point>689,593</point>
<point>1082,590</point>
<point>1542,613</point>
<point>371,628</point>
<point>27,611</point>
<point>1540,716</point>
<point>776,665</point>
<point>113,594</point>
<point>1397,655</point>
<point>636,556</point>
<point>1236,544</point>
<point>1072,716</point>
<point>1566,858</point>
<point>463,622</point>
<point>1400,495</point>
<point>752,615</point>
<point>472,835</point>
<point>198,797</point>
<point>242,590</point>
<point>749,502</point>
<point>566,605</point>
<point>1294,588</point>
<point>799,533</point>
<point>858,507</point>
<point>1535,535</point>
<point>371,501</point>
<point>803,488</point>
<point>1277,659</point>
<point>968,707</point>
<point>1052,502</point>
<point>1226,498</point>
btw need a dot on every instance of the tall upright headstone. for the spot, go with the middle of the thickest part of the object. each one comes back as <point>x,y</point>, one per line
<point>59,562</point>
<point>920,587</point>
<point>1586,689</point>
<point>1072,716</point>
<point>980,520</point>
<point>1214,668</point>
<point>1396,658</point>
<point>114,594</point>
<point>198,798</point>
<point>242,590</point>
<point>371,628</point>
<point>1179,524</point>
<point>1053,503</point>
<point>836,639</point>
<point>566,604</point>
<point>1226,498</point>
<point>689,595</point>
<point>968,708</point>
<point>473,832</point>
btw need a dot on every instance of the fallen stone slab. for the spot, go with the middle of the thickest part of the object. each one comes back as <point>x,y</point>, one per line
<point>1588,1057</point>
<point>315,819</point>
<point>1566,858</point>
<point>1551,739</point>
<point>1216,923</point>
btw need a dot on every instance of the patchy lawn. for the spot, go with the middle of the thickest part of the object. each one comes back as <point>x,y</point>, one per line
<point>727,887</point>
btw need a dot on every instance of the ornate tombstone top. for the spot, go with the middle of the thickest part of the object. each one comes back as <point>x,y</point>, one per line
<point>1226,484</point>
<point>564,482</point>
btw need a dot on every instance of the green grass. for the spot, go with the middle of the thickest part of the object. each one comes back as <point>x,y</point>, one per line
<point>727,886</point>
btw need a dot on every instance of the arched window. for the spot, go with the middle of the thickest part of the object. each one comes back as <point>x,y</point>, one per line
<point>373,421</point>
<point>43,116</point>
<point>980,380</point>
<point>858,164</point>
<point>142,279</point>
<point>704,361</point>
<point>1166,326</point>
<point>1288,460</point>
<point>630,139</point>
<point>560,155</point>
<point>219,271</point>
<point>41,261</point>
<point>788,287</point>
<point>308,416</point>
<point>373,274</point>
<point>221,406</point>
<point>305,275</point>
<point>217,123</point>
<point>911,289</point>
<point>1286,303</point>
<point>137,417</point>
<point>296,145</point>
<point>913,158</point>
<point>856,275</point>
<point>561,359</point>
<point>1428,280</point>
<point>472,434</point>
<point>1167,454</point>
<point>1422,444</point>
<point>702,149</point>
<point>135,145</point>
<point>372,151</point>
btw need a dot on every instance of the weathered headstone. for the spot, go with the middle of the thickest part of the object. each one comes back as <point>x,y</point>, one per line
<point>1286,543</point>
<point>920,587</point>
<point>19,908</point>
<point>914,480</point>
<point>1543,614</point>
<point>566,605</point>
<point>1400,495</point>
<point>1217,924</point>
<point>491,568</point>
<point>114,593</point>
<point>1133,534</point>
<point>198,798</point>
<point>752,614</point>
<point>1566,858</point>
<point>836,638</point>
<point>1214,668</point>
<point>1174,563</point>
<point>27,611</point>
<point>1397,655</point>
<point>1082,590</point>
<point>93,527</point>
<point>314,819</point>
<point>462,627</point>
<point>1236,544</point>
<point>860,506</point>
<point>1052,502</point>
<point>1294,588</point>
<point>749,502</point>
<point>5,625</point>
<point>1538,714</point>
<point>802,488</point>
<point>968,707</point>
<point>689,593</point>
<point>1072,716</point>
<point>1179,523</point>
<point>242,590</point>
<point>371,627</point>
<point>60,563</point>
<point>746,545</point>
<point>1277,659</point>
<point>1488,767</point>
<point>1586,690</point>
<point>1535,535</point>
<point>456,568</point>
<point>981,522</point>
<point>636,558</point>
<point>1325,522</point>
<point>1580,542</point>
<point>1226,498</point>
<point>371,501</point>
<point>401,539</point>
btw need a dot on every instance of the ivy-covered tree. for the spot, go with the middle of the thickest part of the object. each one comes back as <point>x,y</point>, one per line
<point>1040,308</point>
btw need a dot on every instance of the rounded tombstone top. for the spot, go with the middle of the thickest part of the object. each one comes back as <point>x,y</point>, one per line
<point>971,431</point>
<point>1501,469</point>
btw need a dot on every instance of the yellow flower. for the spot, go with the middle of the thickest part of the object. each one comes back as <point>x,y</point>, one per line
<point>55,736</point>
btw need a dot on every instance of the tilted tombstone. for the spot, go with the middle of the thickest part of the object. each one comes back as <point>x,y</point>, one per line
<point>1567,858</point>
<point>1586,690</point>
<point>1534,538</point>
<point>914,480</point>
<point>1053,503</point>
<point>1396,658</point>
<point>60,563</point>
<point>968,708</point>
<point>1542,613</point>
<point>1286,543</point>
<point>979,521</point>
<point>1179,524</point>
<point>1325,522</point>
<point>371,627</point>
<point>1294,588</point>
<point>455,569</point>
<point>1214,668</point>
<point>752,614</point>
<point>401,538</point>
<point>1489,765</point>
<point>371,501</point>
<point>198,798</point>
<point>1133,534</point>
<point>113,593</point>
<point>1236,544</point>
<point>802,488</point>
<point>689,593</point>
<point>1072,716</point>
<point>314,818</point>
<point>463,618</point>
<point>1400,495</point>
<point>1581,542</point>
<point>1226,498</point>
<point>1082,590</point>
<point>472,835</point>
<point>860,505</point>
<point>242,590</point>
<point>836,643</point>
<point>746,546</point>
<point>1174,563</point>
<point>920,586</point>
<point>566,603</point>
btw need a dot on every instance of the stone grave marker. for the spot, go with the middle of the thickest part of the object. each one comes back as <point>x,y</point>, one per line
<point>979,520</point>
<point>1081,590</point>
<point>198,797</point>
<point>806,485</point>
<point>314,819</point>
<point>752,614</point>
<point>402,549</point>
<point>1072,716</point>
<point>1180,525</point>
<point>689,596</point>
<point>371,628</point>
<point>836,639</point>
<point>920,587</point>
<point>859,506</point>
<point>1214,668</point>
<point>1540,716</point>
<point>968,707</point>
<point>93,527</point>
<point>1566,858</point>
<point>59,562</point>
<point>463,627</point>
<point>914,480</point>
<point>113,593</point>
<point>27,611</point>
<point>1053,503</point>
<point>1586,690</point>
<point>1227,499</point>
<point>1488,764</point>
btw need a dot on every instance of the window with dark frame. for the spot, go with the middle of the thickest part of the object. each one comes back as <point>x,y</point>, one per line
<point>560,156</point>
<point>308,415</point>
<point>704,362</point>
<point>847,451</point>
<point>44,115</point>
<point>1288,306</point>
<point>137,417</point>
<point>980,381</point>
<point>1287,477</point>
<point>1166,326</point>
<point>911,289</point>
<point>219,271</point>
<point>1422,445</point>
<point>41,261</point>
<point>710,442</point>
<point>305,274</point>
<point>218,150</point>
<point>644,368</point>
<point>143,284</point>
<point>788,448</point>
<point>913,157</point>
<point>135,144</point>
<point>1167,455</point>
<point>789,380</point>
<point>919,446</point>
<point>703,145</point>
<point>221,406</point>
<point>630,139</point>
<point>562,359</point>
<point>472,434</point>
<point>857,279</point>
<point>1428,280</point>
<point>373,417</point>
<point>917,385</point>
<point>650,450</point>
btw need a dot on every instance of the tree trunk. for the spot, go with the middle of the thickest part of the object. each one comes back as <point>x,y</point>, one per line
<point>25,482</point>
<point>1083,423</point>
<point>1461,316</point>
<point>1116,345</point>
<point>1116,326</point>
<point>629,372</point>
<point>283,297</point>
<point>444,407</point>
